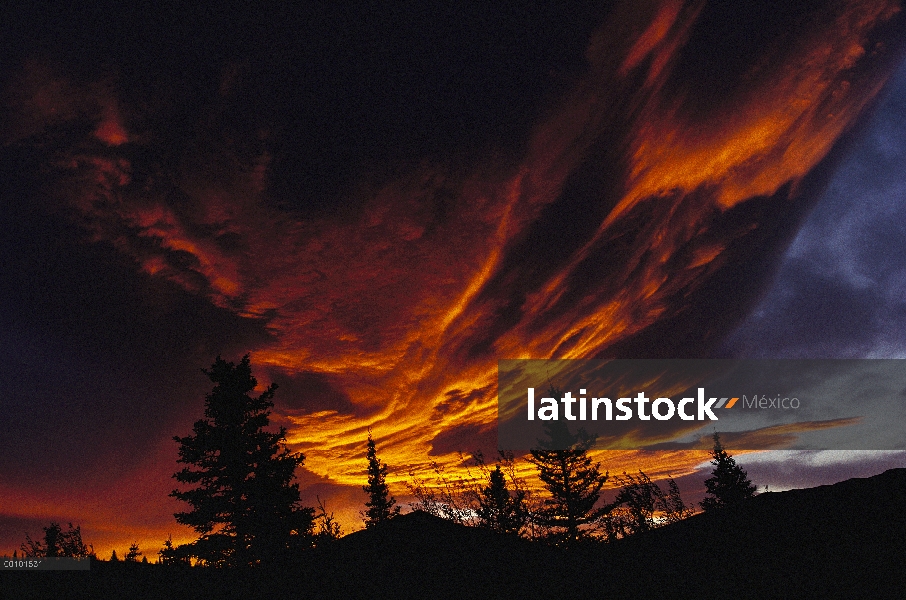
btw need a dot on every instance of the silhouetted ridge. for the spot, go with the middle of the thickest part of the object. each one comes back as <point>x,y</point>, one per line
<point>844,540</point>
<point>841,540</point>
<point>424,529</point>
<point>419,553</point>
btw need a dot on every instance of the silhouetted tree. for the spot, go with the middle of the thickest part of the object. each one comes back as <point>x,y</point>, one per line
<point>498,508</point>
<point>133,554</point>
<point>245,506</point>
<point>674,507</point>
<point>114,557</point>
<point>448,498</point>
<point>168,555</point>
<point>381,506</point>
<point>57,542</point>
<point>573,481</point>
<point>328,530</point>
<point>642,505</point>
<point>728,485</point>
<point>635,506</point>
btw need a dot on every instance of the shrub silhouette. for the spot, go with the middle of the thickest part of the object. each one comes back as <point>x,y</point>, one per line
<point>642,505</point>
<point>57,542</point>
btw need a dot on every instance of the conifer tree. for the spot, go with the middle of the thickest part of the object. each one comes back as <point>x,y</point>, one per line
<point>729,484</point>
<point>133,554</point>
<point>381,506</point>
<point>573,481</point>
<point>498,509</point>
<point>170,555</point>
<point>245,504</point>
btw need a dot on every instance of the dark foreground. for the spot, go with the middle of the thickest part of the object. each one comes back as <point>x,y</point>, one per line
<point>845,540</point>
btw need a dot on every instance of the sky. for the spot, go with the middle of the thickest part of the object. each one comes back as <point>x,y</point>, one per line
<point>378,204</point>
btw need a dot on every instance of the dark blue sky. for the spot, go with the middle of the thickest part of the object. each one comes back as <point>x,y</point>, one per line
<point>840,289</point>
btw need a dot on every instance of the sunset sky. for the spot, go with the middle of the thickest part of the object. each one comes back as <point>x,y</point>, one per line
<point>378,204</point>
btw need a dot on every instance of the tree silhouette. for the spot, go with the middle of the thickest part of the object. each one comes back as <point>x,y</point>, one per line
<point>381,506</point>
<point>642,505</point>
<point>133,554</point>
<point>245,504</point>
<point>498,509</point>
<point>635,506</point>
<point>674,507</point>
<point>168,555</point>
<point>728,485</point>
<point>573,481</point>
<point>328,529</point>
<point>448,498</point>
<point>114,557</point>
<point>57,542</point>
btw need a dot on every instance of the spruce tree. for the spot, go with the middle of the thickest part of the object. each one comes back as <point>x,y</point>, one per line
<point>728,485</point>
<point>498,509</point>
<point>244,503</point>
<point>167,554</point>
<point>133,554</point>
<point>381,506</point>
<point>573,481</point>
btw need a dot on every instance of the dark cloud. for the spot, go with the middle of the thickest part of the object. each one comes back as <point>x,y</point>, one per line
<point>310,391</point>
<point>101,359</point>
<point>841,288</point>
<point>337,92</point>
<point>465,439</point>
<point>457,400</point>
<point>810,316</point>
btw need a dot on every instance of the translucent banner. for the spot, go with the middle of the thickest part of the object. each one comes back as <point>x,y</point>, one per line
<point>795,404</point>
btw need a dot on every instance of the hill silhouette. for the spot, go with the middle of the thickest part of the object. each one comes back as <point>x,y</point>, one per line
<point>841,540</point>
<point>441,559</point>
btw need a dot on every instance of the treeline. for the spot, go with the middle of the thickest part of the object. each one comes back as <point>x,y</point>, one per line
<point>571,507</point>
<point>244,503</point>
